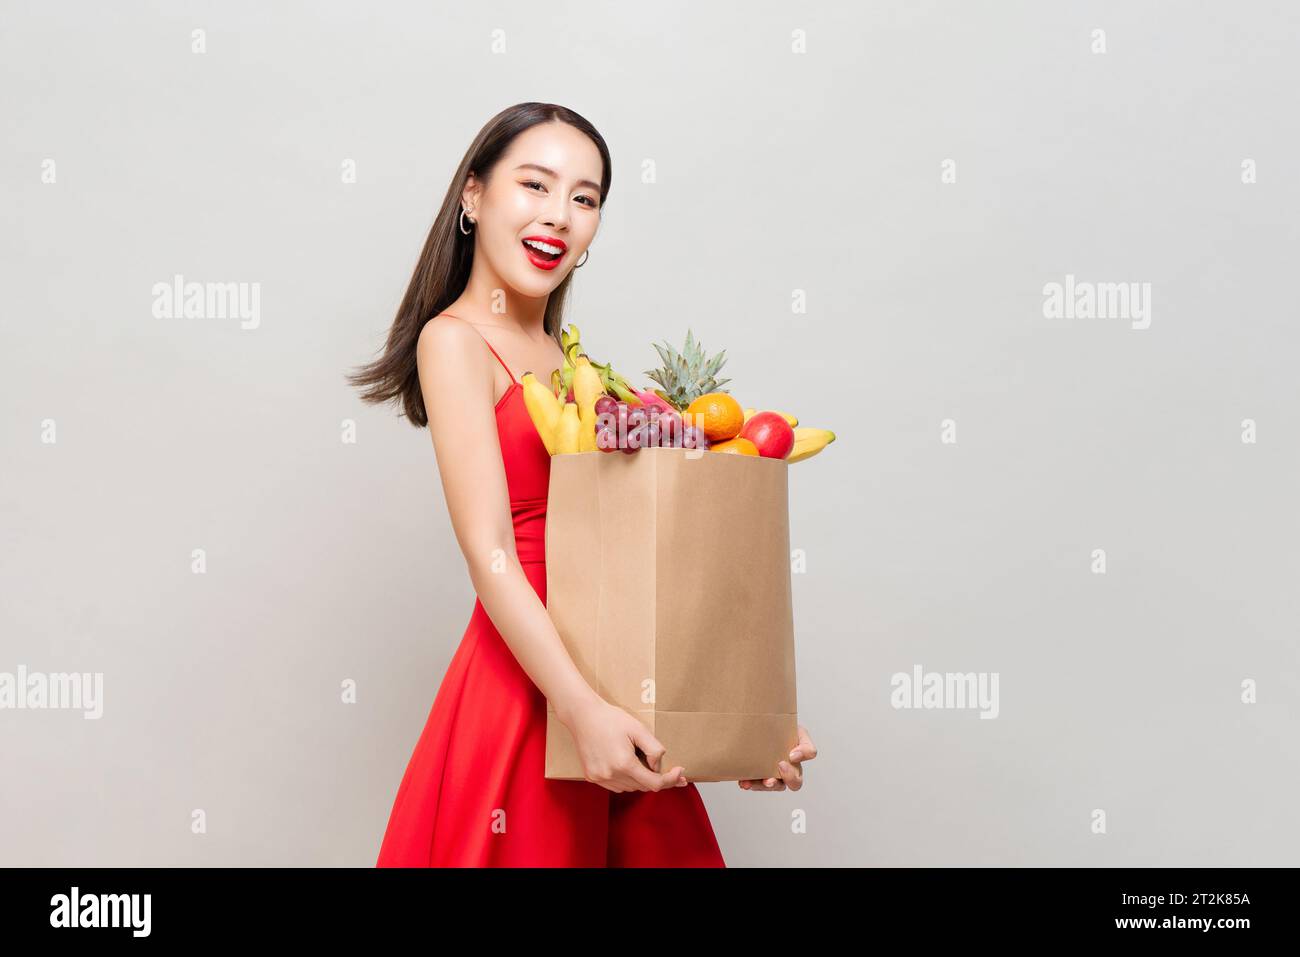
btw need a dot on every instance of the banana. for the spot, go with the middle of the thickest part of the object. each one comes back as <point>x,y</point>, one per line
<point>543,408</point>
<point>794,422</point>
<point>809,432</point>
<point>610,381</point>
<point>587,388</point>
<point>566,433</point>
<point>808,442</point>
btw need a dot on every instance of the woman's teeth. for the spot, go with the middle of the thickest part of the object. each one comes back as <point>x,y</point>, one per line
<point>543,249</point>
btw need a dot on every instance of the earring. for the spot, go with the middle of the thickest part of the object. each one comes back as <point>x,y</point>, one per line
<point>585,253</point>
<point>462,222</point>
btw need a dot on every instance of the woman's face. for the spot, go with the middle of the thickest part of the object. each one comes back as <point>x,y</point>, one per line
<point>545,188</point>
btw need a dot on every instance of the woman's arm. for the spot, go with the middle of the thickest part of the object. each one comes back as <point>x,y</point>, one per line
<point>456,378</point>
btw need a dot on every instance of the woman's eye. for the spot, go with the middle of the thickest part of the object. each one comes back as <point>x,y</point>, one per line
<point>532,182</point>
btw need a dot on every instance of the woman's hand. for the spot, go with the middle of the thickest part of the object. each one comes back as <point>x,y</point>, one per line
<point>791,771</point>
<point>607,738</point>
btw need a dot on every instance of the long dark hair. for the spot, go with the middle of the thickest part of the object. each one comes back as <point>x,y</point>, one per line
<point>444,266</point>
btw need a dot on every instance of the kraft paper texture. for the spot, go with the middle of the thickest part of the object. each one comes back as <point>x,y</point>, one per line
<point>668,579</point>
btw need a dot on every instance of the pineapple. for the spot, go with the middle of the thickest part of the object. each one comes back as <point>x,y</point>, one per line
<point>688,374</point>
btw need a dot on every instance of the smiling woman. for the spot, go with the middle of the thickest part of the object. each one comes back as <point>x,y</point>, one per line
<point>558,195</point>
<point>536,171</point>
<point>519,217</point>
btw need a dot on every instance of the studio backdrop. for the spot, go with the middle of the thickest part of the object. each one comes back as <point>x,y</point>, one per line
<point>1031,263</point>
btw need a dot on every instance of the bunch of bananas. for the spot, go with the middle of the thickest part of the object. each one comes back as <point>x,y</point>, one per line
<point>562,378</point>
<point>570,426</point>
<point>565,414</point>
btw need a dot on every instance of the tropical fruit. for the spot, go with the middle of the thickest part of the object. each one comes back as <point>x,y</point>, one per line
<point>543,408</point>
<point>562,378</point>
<point>808,442</point>
<point>687,375</point>
<point>653,400</point>
<point>566,433</point>
<point>587,388</point>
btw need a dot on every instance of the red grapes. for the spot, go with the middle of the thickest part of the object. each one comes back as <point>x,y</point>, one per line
<point>626,429</point>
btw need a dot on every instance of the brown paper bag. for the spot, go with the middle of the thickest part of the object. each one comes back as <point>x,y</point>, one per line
<point>668,578</point>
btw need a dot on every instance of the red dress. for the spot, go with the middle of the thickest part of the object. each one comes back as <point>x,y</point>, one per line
<point>474,794</point>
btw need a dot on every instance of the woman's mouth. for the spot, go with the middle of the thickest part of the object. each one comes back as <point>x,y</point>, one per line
<point>542,252</point>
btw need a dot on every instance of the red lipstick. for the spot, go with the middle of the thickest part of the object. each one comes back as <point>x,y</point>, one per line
<point>543,259</point>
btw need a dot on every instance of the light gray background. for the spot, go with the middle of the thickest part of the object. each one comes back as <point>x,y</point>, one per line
<point>776,171</point>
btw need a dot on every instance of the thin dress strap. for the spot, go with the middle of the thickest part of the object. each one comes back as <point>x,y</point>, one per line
<point>488,344</point>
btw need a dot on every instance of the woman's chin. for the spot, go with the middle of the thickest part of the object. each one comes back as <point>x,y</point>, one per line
<point>537,283</point>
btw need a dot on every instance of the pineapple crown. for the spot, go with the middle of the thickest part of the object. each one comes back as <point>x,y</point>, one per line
<point>689,374</point>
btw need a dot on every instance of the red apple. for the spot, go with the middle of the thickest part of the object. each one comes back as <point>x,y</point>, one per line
<point>770,433</point>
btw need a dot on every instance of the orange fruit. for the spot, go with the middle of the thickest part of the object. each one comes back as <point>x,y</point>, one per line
<point>719,414</point>
<point>735,447</point>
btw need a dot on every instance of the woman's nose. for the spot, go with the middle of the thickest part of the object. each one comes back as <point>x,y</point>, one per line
<point>557,214</point>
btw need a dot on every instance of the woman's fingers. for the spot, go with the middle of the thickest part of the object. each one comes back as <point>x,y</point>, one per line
<point>641,778</point>
<point>648,745</point>
<point>805,750</point>
<point>791,771</point>
<point>646,774</point>
<point>791,774</point>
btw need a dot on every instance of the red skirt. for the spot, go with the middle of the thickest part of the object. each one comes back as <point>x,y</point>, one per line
<point>474,792</point>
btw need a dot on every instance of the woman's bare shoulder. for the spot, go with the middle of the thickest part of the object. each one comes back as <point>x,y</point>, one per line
<point>449,354</point>
<point>447,337</point>
<point>448,328</point>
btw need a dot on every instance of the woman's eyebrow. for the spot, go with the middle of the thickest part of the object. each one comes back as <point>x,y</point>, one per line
<point>554,175</point>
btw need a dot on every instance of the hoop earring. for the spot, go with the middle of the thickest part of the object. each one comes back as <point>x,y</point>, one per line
<point>585,253</point>
<point>461,221</point>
